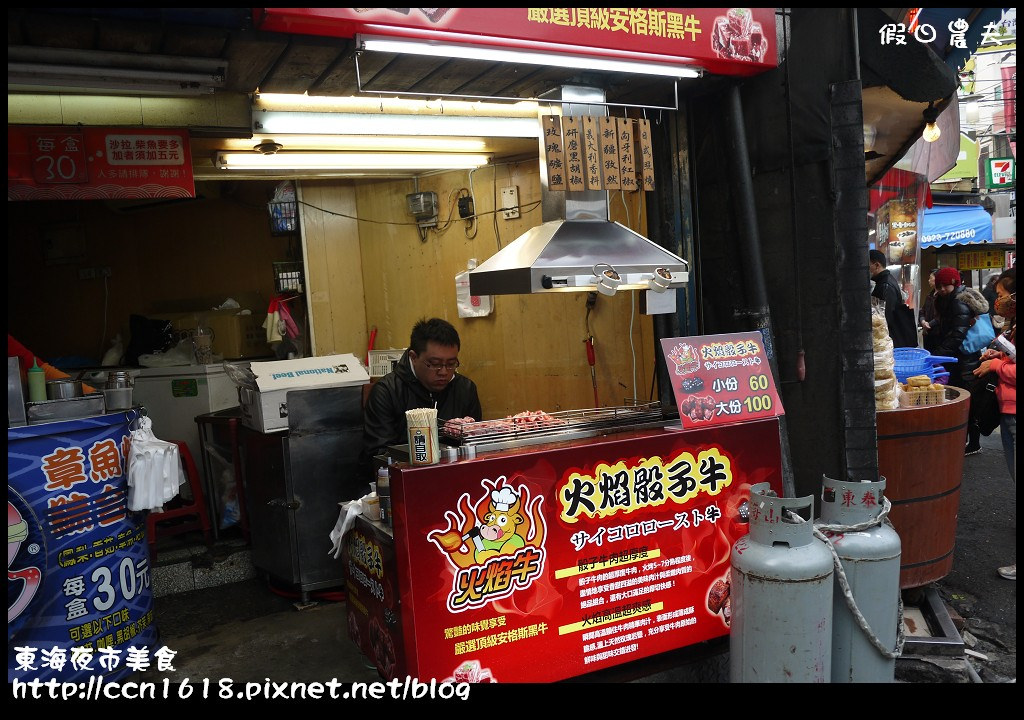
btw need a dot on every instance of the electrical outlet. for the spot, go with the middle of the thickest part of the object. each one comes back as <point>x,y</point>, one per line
<point>105,272</point>
<point>510,202</point>
<point>86,273</point>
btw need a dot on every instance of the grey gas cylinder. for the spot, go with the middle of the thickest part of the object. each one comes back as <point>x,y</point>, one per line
<point>781,578</point>
<point>853,519</point>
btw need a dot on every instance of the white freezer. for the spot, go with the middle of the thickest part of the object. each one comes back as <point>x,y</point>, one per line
<point>174,396</point>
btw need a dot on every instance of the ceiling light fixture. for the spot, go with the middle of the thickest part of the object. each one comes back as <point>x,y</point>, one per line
<point>333,123</point>
<point>931,131</point>
<point>349,161</point>
<point>370,43</point>
<point>294,102</point>
<point>360,143</point>
<point>109,83</point>
<point>268,147</point>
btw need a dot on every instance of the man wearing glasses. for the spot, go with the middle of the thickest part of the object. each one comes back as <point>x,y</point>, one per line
<point>426,377</point>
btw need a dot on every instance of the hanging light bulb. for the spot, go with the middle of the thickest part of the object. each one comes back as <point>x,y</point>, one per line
<point>870,135</point>
<point>931,131</point>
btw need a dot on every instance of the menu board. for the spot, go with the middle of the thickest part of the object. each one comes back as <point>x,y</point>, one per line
<point>553,562</point>
<point>721,379</point>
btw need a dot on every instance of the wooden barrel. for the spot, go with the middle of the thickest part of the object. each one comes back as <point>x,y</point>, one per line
<point>921,455</point>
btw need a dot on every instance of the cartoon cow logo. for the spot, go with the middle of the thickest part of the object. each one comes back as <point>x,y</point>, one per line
<point>500,536</point>
<point>23,584</point>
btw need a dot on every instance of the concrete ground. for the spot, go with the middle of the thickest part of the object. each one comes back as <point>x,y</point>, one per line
<point>249,631</point>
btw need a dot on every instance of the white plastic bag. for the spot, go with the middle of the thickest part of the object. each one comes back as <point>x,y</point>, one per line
<point>154,469</point>
<point>471,305</point>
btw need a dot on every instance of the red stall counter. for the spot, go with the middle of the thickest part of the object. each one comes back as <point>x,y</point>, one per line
<point>549,562</point>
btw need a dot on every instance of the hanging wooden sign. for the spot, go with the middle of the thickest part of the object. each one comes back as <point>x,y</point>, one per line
<point>592,152</point>
<point>554,153</point>
<point>645,153</point>
<point>572,135</point>
<point>598,153</point>
<point>627,154</point>
<point>609,153</point>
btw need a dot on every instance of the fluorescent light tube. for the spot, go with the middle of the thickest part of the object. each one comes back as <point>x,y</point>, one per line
<point>350,161</point>
<point>327,123</point>
<point>330,142</point>
<point>126,79</point>
<point>529,57</point>
<point>292,102</point>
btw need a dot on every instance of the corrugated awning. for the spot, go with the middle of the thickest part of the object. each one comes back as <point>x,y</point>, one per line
<point>956,225</point>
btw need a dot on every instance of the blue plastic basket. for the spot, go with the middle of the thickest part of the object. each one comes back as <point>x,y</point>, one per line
<point>907,355</point>
<point>910,361</point>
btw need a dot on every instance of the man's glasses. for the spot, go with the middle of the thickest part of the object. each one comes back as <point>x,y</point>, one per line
<point>450,366</point>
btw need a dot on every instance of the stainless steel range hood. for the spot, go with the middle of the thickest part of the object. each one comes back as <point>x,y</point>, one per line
<point>578,248</point>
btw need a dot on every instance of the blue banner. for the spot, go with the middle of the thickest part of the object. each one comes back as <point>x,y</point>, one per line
<point>79,597</point>
<point>956,225</point>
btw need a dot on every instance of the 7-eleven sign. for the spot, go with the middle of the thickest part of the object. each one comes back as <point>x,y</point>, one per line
<point>1000,173</point>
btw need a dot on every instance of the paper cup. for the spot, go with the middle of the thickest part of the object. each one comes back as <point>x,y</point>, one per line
<point>423,442</point>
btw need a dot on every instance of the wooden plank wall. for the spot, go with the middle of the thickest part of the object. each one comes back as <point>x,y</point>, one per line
<point>529,353</point>
<point>162,256</point>
<point>334,273</point>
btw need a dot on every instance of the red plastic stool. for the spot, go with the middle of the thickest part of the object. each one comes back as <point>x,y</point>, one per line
<point>195,509</point>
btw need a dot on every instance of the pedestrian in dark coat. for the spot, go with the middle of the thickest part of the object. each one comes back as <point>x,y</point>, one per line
<point>958,306</point>
<point>888,290</point>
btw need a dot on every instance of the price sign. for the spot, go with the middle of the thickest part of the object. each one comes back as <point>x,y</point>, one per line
<point>721,379</point>
<point>58,158</point>
<point>72,163</point>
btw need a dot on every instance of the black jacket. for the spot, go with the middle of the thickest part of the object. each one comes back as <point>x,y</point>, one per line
<point>398,391</point>
<point>956,313</point>
<point>888,289</point>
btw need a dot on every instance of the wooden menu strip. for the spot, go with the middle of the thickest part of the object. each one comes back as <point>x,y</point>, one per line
<point>627,154</point>
<point>554,154</point>
<point>645,153</point>
<point>609,138</point>
<point>572,133</point>
<point>592,152</point>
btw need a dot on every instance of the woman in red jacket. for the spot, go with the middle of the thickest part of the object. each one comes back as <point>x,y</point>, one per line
<point>1005,368</point>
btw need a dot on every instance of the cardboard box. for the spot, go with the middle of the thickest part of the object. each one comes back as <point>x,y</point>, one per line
<point>266,409</point>
<point>234,336</point>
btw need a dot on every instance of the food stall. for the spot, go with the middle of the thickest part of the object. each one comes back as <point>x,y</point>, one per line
<point>554,545</point>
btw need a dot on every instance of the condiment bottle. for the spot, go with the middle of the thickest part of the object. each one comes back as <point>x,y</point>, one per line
<point>36,382</point>
<point>384,493</point>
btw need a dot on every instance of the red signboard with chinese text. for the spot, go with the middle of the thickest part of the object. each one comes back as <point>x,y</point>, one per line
<point>371,580</point>
<point>726,41</point>
<point>63,163</point>
<point>721,379</point>
<point>551,562</point>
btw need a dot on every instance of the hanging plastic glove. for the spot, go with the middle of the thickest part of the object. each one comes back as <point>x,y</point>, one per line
<point>349,512</point>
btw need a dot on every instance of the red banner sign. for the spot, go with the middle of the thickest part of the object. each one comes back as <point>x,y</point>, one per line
<point>545,564</point>
<point>721,379</point>
<point>65,163</point>
<point>726,41</point>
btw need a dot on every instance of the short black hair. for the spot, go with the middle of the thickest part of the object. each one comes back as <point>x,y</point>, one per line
<point>435,330</point>
<point>877,256</point>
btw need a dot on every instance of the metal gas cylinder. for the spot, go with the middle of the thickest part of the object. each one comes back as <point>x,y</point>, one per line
<point>853,515</point>
<point>781,595</point>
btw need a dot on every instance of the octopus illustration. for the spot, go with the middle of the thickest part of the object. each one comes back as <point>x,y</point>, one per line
<point>30,577</point>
